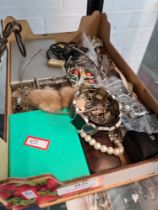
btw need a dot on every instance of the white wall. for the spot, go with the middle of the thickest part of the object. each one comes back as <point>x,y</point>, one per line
<point>132,23</point>
<point>132,20</point>
<point>46,15</point>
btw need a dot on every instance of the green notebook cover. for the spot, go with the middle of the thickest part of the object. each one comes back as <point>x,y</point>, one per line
<point>42,143</point>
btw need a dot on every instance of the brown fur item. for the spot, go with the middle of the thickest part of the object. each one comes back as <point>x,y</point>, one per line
<point>51,100</point>
<point>47,100</point>
<point>67,95</point>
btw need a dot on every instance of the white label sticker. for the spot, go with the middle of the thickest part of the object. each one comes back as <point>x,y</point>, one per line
<point>29,194</point>
<point>92,183</point>
<point>37,142</point>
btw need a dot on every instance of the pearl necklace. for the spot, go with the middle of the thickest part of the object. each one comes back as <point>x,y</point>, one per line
<point>118,150</point>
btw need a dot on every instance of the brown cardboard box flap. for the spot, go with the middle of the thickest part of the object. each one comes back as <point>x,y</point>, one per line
<point>88,24</point>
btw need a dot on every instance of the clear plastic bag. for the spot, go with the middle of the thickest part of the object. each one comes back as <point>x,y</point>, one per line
<point>129,105</point>
<point>98,201</point>
<point>114,85</point>
<point>147,123</point>
<point>140,195</point>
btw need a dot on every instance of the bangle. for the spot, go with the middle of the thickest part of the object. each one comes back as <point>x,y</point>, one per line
<point>118,150</point>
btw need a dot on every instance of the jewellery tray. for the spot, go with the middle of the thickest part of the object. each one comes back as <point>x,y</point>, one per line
<point>96,24</point>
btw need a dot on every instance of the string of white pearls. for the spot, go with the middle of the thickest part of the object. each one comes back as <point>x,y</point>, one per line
<point>118,150</point>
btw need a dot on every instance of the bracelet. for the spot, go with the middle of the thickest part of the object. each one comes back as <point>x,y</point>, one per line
<point>118,150</point>
<point>83,116</point>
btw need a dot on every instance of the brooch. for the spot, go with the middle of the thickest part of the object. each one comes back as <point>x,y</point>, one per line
<point>80,75</point>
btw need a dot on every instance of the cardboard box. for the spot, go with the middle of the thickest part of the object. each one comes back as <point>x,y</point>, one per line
<point>96,24</point>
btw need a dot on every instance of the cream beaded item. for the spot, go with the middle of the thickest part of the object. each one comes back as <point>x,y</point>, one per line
<point>118,150</point>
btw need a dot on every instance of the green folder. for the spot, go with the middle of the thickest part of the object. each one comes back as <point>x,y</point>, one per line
<point>61,154</point>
